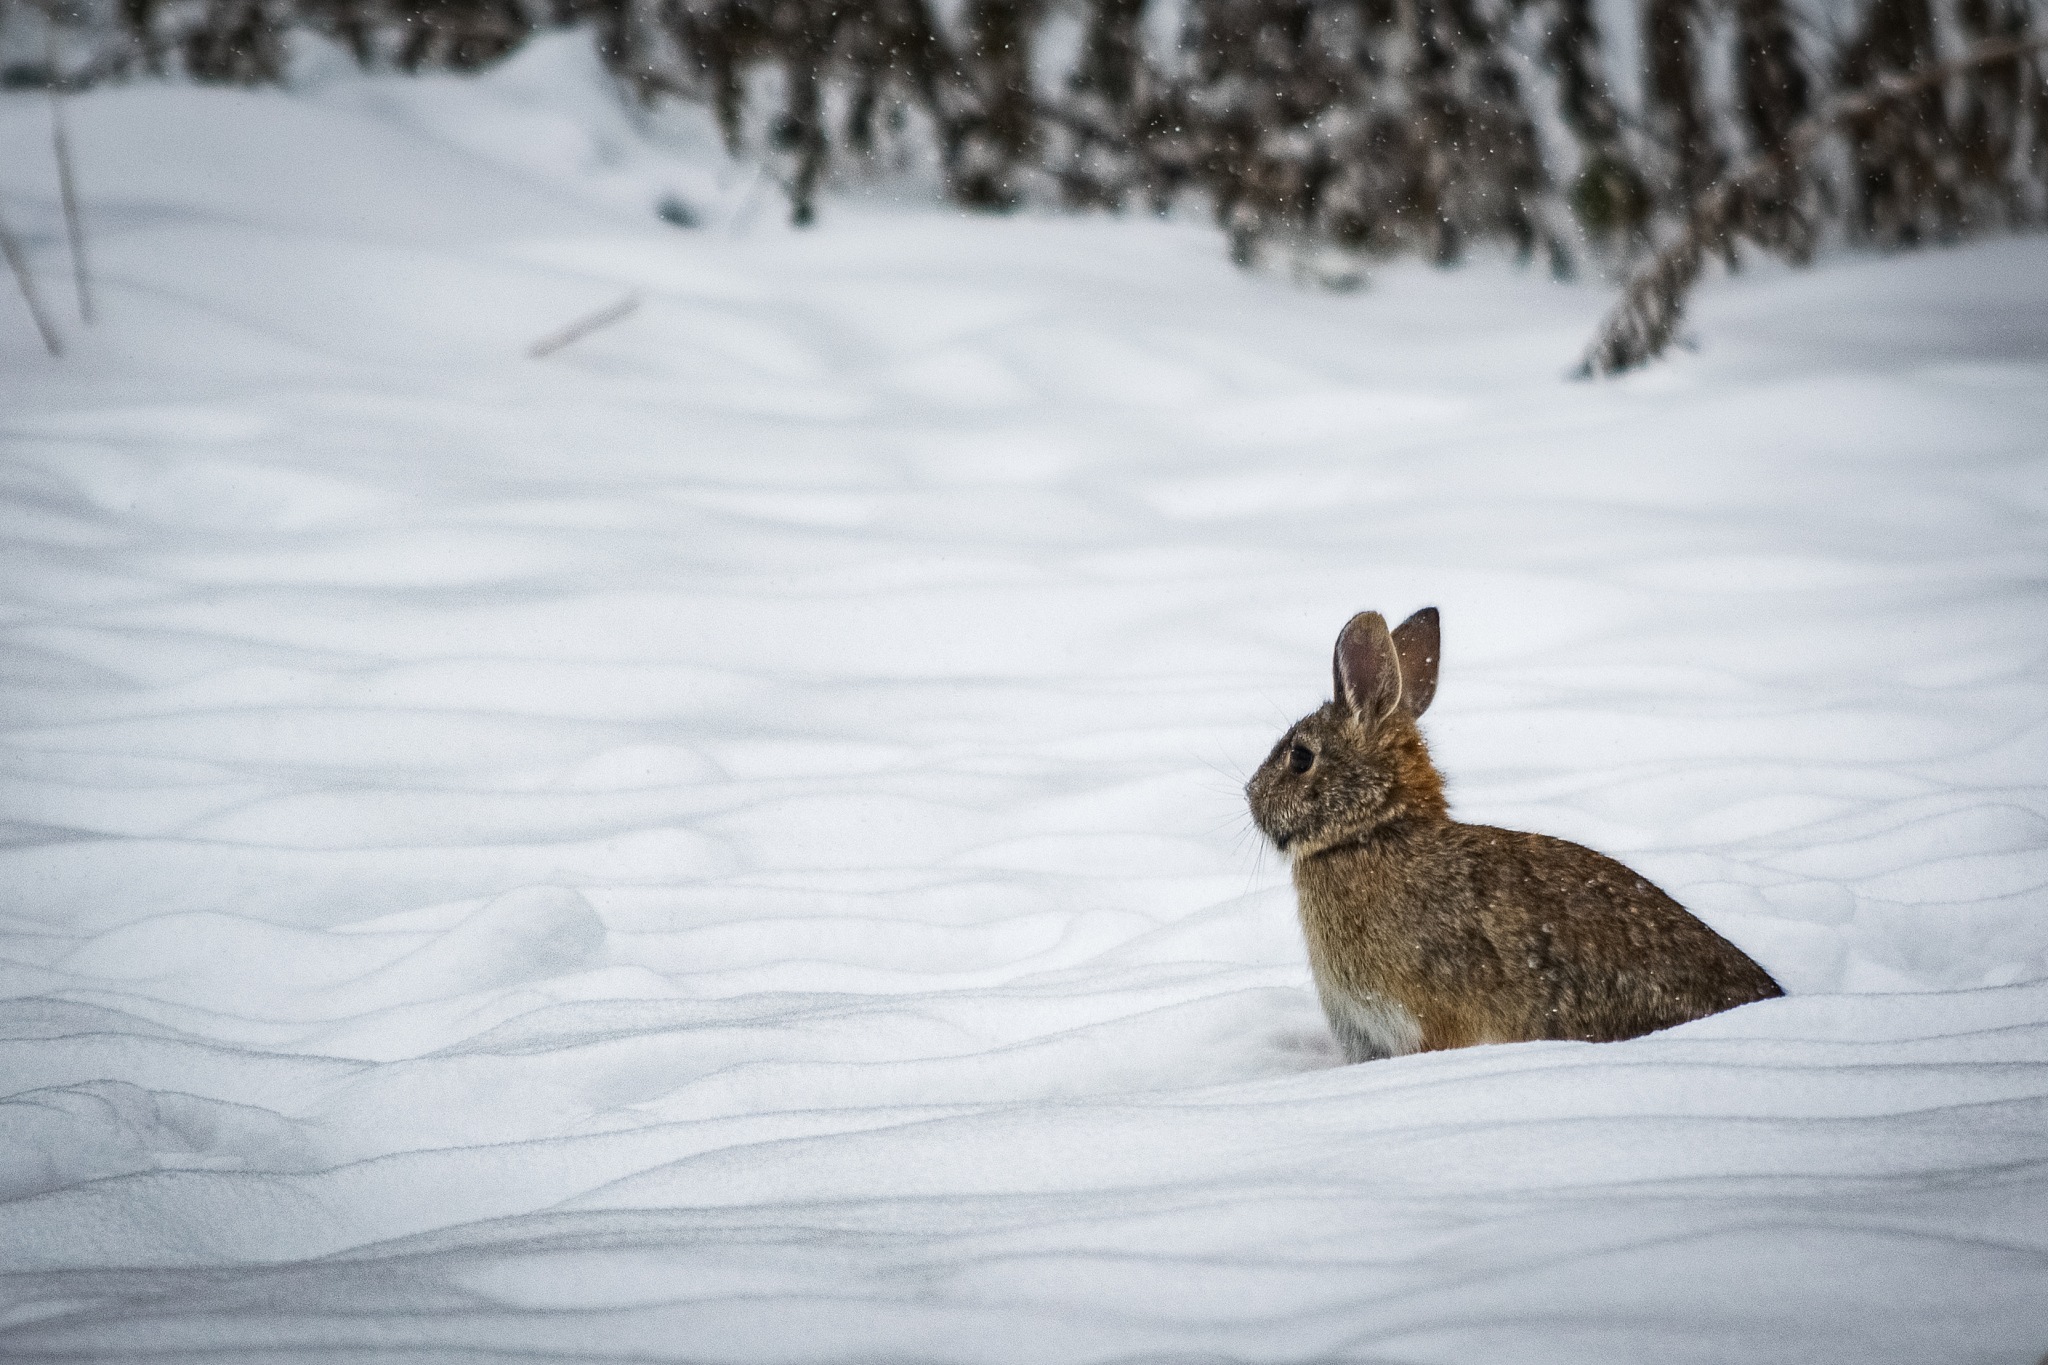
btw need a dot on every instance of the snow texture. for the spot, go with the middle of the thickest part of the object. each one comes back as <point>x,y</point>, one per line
<point>725,843</point>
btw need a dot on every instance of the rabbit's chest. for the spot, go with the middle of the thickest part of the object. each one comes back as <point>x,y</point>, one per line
<point>1372,969</point>
<point>1362,927</point>
<point>1361,989</point>
<point>1349,950</point>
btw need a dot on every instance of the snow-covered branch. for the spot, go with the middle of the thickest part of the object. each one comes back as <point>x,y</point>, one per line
<point>1642,324</point>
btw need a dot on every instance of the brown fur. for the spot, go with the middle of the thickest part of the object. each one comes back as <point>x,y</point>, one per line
<point>1440,935</point>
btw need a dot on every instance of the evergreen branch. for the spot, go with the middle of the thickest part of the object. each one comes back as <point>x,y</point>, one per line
<point>1642,323</point>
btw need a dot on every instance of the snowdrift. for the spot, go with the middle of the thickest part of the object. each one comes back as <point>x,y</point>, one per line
<point>725,844</point>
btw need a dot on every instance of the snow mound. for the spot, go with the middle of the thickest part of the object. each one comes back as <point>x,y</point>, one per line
<point>725,843</point>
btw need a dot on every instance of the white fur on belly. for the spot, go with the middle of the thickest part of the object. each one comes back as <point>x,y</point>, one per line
<point>1370,1027</point>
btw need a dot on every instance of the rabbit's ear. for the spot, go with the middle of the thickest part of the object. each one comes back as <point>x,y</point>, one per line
<point>1368,675</point>
<point>1418,641</point>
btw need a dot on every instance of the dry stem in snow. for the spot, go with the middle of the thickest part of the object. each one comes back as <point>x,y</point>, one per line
<point>584,326</point>
<point>17,260</point>
<point>67,182</point>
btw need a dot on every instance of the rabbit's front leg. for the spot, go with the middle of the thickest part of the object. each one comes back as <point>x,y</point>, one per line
<point>1369,1027</point>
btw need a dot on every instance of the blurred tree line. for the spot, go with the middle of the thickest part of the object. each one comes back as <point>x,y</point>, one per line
<point>1558,127</point>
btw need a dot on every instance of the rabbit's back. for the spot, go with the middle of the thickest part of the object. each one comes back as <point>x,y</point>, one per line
<point>1492,935</point>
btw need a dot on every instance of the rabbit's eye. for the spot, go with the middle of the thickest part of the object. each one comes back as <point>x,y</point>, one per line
<point>1300,759</point>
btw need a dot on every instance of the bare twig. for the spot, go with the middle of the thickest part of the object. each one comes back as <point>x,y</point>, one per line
<point>1641,324</point>
<point>67,185</point>
<point>17,260</point>
<point>583,327</point>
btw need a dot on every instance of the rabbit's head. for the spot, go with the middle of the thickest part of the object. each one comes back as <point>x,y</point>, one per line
<point>1358,763</point>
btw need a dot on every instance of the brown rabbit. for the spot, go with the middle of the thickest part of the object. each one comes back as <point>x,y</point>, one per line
<point>1424,933</point>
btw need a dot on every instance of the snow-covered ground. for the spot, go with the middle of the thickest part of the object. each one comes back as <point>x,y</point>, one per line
<point>725,843</point>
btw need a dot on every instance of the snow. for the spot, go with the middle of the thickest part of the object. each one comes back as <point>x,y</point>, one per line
<point>725,843</point>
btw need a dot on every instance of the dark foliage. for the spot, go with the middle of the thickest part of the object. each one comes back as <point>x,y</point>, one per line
<point>1925,185</point>
<point>1363,126</point>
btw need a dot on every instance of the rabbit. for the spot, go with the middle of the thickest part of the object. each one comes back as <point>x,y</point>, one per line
<point>1425,934</point>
